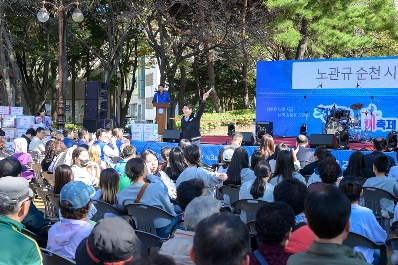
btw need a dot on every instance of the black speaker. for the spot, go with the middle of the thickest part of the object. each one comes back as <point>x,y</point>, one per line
<point>328,140</point>
<point>95,124</point>
<point>95,100</point>
<point>264,127</point>
<point>248,138</point>
<point>172,136</point>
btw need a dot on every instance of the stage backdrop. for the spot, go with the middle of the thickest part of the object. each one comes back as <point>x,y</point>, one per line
<point>286,90</point>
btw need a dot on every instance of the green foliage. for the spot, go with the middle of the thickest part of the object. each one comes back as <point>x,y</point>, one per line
<point>242,117</point>
<point>73,127</point>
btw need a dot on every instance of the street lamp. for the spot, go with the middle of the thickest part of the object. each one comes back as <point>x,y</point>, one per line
<point>77,16</point>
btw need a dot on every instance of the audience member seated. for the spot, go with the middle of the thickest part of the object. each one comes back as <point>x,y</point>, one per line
<point>30,133</point>
<point>192,157</point>
<point>304,155</point>
<point>83,140</point>
<point>238,171</point>
<point>112,241</point>
<point>65,235</point>
<point>221,238</point>
<point>259,188</point>
<point>151,193</point>
<point>278,148</point>
<point>120,140</point>
<point>84,170</point>
<point>34,221</point>
<point>107,144</point>
<point>293,192</point>
<point>357,167</point>
<point>328,215</point>
<point>68,137</point>
<point>256,157</point>
<point>15,199</point>
<point>329,170</point>
<point>183,143</point>
<point>176,164</point>
<point>108,187</point>
<point>21,153</point>
<point>189,190</point>
<point>156,175</point>
<point>164,154</point>
<point>274,224</point>
<point>128,153</point>
<point>94,154</point>
<point>235,143</point>
<point>37,144</point>
<point>63,174</point>
<point>363,221</point>
<point>179,246</point>
<point>380,181</point>
<point>267,146</point>
<point>310,168</point>
<point>226,160</point>
<point>53,149</point>
<point>379,144</point>
<point>285,168</point>
<point>315,176</point>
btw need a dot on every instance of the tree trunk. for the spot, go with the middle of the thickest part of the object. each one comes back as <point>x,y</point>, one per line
<point>245,59</point>
<point>212,78</point>
<point>183,84</point>
<point>74,76</point>
<point>54,92</point>
<point>173,102</point>
<point>4,66</point>
<point>199,87</point>
<point>302,46</point>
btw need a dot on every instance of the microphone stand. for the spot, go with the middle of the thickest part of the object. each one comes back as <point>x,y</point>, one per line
<point>306,106</point>
<point>371,110</point>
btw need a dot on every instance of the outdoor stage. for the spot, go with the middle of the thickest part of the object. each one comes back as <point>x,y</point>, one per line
<point>211,145</point>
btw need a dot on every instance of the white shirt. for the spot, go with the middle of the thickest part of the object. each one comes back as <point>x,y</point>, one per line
<point>81,174</point>
<point>37,145</point>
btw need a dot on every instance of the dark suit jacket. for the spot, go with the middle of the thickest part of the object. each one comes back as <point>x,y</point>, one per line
<point>305,156</point>
<point>191,129</point>
<point>369,158</point>
<point>309,169</point>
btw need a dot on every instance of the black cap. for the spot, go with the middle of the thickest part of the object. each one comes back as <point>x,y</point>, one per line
<point>112,241</point>
<point>10,166</point>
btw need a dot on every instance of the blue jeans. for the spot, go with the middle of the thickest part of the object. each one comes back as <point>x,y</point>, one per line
<point>166,232</point>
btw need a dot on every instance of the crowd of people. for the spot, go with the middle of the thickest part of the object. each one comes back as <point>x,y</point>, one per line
<point>310,204</point>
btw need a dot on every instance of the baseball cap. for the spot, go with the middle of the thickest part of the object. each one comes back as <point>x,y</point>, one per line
<point>112,241</point>
<point>77,193</point>
<point>10,166</point>
<point>227,155</point>
<point>15,189</point>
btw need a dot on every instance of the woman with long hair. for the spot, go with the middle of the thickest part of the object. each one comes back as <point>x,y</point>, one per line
<point>259,188</point>
<point>278,148</point>
<point>357,167</point>
<point>176,163</point>
<point>238,171</point>
<point>256,157</point>
<point>53,149</point>
<point>21,153</point>
<point>284,168</point>
<point>63,174</point>
<point>108,186</point>
<point>267,146</point>
<point>164,154</point>
<point>94,152</point>
<point>156,175</point>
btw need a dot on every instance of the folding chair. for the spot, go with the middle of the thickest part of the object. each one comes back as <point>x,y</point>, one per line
<point>232,191</point>
<point>41,240</point>
<point>248,209</point>
<point>51,258</point>
<point>372,197</point>
<point>357,240</point>
<point>149,240</point>
<point>145,215</point>
<point>103,208</point>
<point>50,211</point>
<point>49,177</point>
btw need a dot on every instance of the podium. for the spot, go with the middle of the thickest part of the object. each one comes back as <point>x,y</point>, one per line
<point>161,116</point>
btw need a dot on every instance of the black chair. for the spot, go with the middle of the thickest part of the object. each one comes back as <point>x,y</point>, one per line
<point>41,240</point>
<point>248,208</point>
<point>103,208</point>
<point>232,191</point>
<point>145,215</point>
<point>357,240</point>
<point>372,197</point>
<point>51,258</point>
<point>149,240</point>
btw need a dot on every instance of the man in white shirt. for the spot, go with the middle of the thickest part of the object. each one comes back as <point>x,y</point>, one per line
<point>37,143</point>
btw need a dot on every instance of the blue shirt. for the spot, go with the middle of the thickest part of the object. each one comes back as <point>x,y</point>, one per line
<point>82,143</point>
<point>121,166</point>
<point>161,98</point>
<point>68,142</point>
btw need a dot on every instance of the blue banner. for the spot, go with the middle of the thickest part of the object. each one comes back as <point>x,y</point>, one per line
<point>288,92</point>
<point>210,152</point>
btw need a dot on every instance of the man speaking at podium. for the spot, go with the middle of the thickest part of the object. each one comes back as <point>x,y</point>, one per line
<point>162,96</point>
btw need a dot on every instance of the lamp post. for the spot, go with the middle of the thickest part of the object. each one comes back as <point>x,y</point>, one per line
<point>77,16</point>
